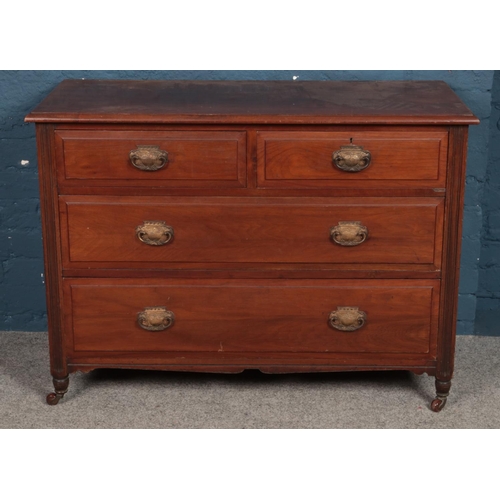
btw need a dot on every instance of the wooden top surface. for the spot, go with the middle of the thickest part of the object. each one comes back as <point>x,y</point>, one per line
<point>257,102</point>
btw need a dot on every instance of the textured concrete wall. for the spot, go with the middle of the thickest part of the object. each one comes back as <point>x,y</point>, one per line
<point>489,265</point>
<point>22,303</point>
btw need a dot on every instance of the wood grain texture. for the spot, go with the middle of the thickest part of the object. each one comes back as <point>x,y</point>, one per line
<point>252,192</point>
<point>252,316</point>
<point>51,248</point>
<point>415,158</point>
<point>394,102</point>
<point>451,256</point>
<point>195,158</point>
<point>264,365</point>
<point>230,270</point>
<point>102,231</point>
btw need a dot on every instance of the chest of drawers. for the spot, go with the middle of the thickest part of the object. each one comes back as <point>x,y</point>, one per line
<point>278,226</point>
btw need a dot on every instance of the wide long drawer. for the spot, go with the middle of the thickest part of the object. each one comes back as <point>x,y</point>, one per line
<point>244,316</point>
<point>118,232</point>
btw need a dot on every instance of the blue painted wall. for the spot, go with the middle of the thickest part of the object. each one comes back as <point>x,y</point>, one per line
<point>22,299</point>
<point>489,264</point>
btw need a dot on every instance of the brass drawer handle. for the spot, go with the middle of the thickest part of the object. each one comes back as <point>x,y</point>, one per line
<point>351,158</point>
<point>349,233</point>
<point>149,158</point>
<point>347,319</point>
<point>155,319</point>
<point>154,232</point>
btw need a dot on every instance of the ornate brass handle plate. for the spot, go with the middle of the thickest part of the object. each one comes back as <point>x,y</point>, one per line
<point>155,319</point>
<point>351,158</point>
<point>349,233</point>
<point>347,319</point>
<point>154,232</point>
<point>149,158</point>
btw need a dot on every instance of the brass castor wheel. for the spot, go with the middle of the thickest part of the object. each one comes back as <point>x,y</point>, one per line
<point>438,404</point>
<point>61,387</point>
<point>53,398</point>
<point>442,390</point>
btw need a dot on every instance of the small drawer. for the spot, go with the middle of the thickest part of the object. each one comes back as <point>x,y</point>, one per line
<point>352,159</point>
<point>194,159</point>
<point>249,316</point>
<point>165,232</point>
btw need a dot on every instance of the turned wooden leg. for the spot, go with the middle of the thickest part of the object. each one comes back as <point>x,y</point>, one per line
<point>61,387</point>
<point>442,392</point>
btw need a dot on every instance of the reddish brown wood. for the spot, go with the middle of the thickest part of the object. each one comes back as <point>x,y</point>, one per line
<point>195,158</point>
<point>414,158</point>
<point>264,368</point>
<point>451,264</point>
<point>250,360</point>
<point>51,249</point>
<point>394,102</point>
<point>230,270</point>
<point>334,192</point>
<point>264,315</point>
<point>252,193</point>
<point>102,231</point>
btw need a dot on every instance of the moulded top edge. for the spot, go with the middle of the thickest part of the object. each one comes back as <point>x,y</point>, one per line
<point>254,120</point>
<point>273,102</point>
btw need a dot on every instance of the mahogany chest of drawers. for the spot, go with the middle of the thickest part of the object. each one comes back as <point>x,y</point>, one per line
<point>278,226</point>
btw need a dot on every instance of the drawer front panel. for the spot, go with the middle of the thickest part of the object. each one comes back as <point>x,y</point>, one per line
<point>121,231</point>
<point>178,159</point>
<point>325,316</point>
<point>387,159</point>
